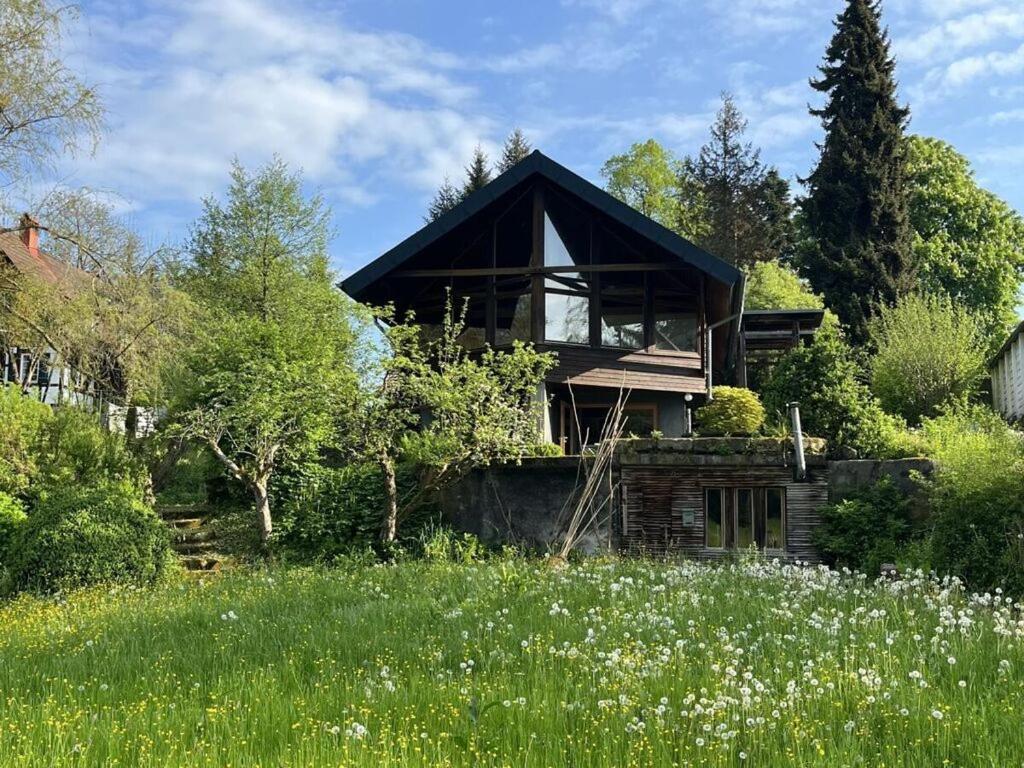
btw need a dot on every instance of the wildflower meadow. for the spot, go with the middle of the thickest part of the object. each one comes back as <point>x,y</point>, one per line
<point>512,663</point>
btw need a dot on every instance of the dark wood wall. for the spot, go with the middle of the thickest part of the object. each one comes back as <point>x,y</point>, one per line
<point>655,503</point>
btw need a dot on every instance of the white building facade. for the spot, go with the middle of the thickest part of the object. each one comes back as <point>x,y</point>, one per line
<point>1007,370</point>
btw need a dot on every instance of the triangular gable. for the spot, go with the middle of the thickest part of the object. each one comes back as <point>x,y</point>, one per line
<point>540,164</point>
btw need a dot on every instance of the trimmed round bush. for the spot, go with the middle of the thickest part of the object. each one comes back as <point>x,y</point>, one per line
<point>76,537</point>
<point>734,411</point>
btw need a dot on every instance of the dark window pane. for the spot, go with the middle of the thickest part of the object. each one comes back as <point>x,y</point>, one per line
<point>713,516</point>
<point>774,531</point>
<point>513,311</point>
<point>744,518</point>
<point>675,323</point>
<point>622,310</point>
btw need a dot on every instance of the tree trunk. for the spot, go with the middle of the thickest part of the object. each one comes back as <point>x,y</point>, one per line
<point>390,528</point>
<point>263,520</point>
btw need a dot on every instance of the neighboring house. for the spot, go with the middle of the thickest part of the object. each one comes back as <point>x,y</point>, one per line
<point>543,255</point>
<point>1007,370</point>
<point>39,371</point>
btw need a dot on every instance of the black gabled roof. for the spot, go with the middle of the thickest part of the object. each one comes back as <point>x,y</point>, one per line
<point>542,165</point>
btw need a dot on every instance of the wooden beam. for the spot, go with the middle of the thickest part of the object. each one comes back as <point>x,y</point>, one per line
<point>539,270</point>
<point>537,319</point>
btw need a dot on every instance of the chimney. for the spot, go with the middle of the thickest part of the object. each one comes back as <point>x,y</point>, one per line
<point>29,233</point>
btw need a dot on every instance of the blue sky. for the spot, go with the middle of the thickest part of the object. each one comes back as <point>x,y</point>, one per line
<point>377,99</point>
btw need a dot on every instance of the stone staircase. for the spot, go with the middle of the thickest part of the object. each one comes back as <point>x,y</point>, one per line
<point>194,541</point>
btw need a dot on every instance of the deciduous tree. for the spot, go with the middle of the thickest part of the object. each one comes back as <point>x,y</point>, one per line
<point>968,243</point>
<point>274,365</point>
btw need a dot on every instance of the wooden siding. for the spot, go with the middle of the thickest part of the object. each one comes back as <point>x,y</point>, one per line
<point>585,366</point>
<point>1008,378</point>
<point>657,501</point>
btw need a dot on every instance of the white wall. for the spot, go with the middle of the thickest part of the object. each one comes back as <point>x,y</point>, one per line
<point>1008,380</point>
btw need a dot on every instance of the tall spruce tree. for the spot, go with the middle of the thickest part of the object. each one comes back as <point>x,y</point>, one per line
<point>745,203</point>
<point>516,148</point>
<point>856,209</point>
<point>478,172</point>
<point>447,197</point>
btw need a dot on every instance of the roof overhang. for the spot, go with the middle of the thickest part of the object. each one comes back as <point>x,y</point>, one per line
<point>538,164</point>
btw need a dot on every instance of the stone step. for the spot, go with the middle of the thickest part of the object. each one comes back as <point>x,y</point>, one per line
<point>190,535</point>
<point>175,511</point>
<point>194,547</point>
<point>203,562</point>
<point>186,522</point>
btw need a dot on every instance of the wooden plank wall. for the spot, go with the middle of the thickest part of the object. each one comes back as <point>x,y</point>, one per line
<point>634,370</point>
<point>656,502</point>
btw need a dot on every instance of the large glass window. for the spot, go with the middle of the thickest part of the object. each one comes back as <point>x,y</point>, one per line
<point>715,516</point>
<point>774,508</point>
<point>675,323</point>
<point>512,320</point>
<point>622,310</point>
<point>566,294</point>
<point>744,518</point>
<point>738,518</point>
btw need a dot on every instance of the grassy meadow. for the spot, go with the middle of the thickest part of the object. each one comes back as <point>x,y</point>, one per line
<point>511,663</point>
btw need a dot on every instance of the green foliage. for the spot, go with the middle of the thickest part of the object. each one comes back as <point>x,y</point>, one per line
<point>12,518</point>
<point>834,403</point>
<point>443,545</point>
<point>859,251</point>
<point>331,512</point>
<point>744,203</point>
<point>544,450</point>
<point>930,354</point>
<point>77,536</point>
<point>652,180</point>
<point>772,285</point>
<point>977,499</point>
<point>40,445</point>
<point>866,530</point>
<point>968,244</point>
<point>733,411</point>
<point>515,150</point>
<point>22,421</point>
<point>478,173</point>
<point>274,367</point>
<point>447,411</point>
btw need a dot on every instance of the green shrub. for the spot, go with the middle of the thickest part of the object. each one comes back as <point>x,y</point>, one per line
<point>866,530</point>
<point>930,354</point>
<point>22,420</point>
<point>771,285</point>
<point>834,403</point>
<point>976,496</point>
<point>329,512</point>
<point>78,536</point>
<point>12,518</point>
<point>733,411</point>
<point>544,450</point>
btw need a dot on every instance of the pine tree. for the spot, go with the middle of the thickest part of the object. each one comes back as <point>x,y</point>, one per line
<point>447,197</point>
<point>516,148</point>
<point>745,204</point>
<point>859,253</point>
<point>478,172</point>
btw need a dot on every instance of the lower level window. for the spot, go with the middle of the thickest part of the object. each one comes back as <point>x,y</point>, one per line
<point>739,518</point>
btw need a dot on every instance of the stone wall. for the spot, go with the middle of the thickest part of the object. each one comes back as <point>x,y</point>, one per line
<point>848,477</point>
<point>527,504</point>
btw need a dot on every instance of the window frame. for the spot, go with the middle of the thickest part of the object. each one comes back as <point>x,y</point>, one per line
<point>730,510</point>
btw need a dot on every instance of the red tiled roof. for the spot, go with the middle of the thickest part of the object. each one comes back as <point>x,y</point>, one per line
<point>36,263</point>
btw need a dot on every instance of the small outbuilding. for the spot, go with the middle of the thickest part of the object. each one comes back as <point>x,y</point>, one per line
<point>1007,371</point>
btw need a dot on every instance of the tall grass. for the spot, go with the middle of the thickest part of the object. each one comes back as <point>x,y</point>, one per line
<point>605,663</point>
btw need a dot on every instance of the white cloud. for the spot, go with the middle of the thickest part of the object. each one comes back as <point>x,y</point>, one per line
<point>998,63</point>
<point>1007,116</point>
<point>952,36</point>
<point>243,78</point>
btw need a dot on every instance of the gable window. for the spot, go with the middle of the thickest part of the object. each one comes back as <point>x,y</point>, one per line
<point>739,518</point>
<point>566,294</point>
